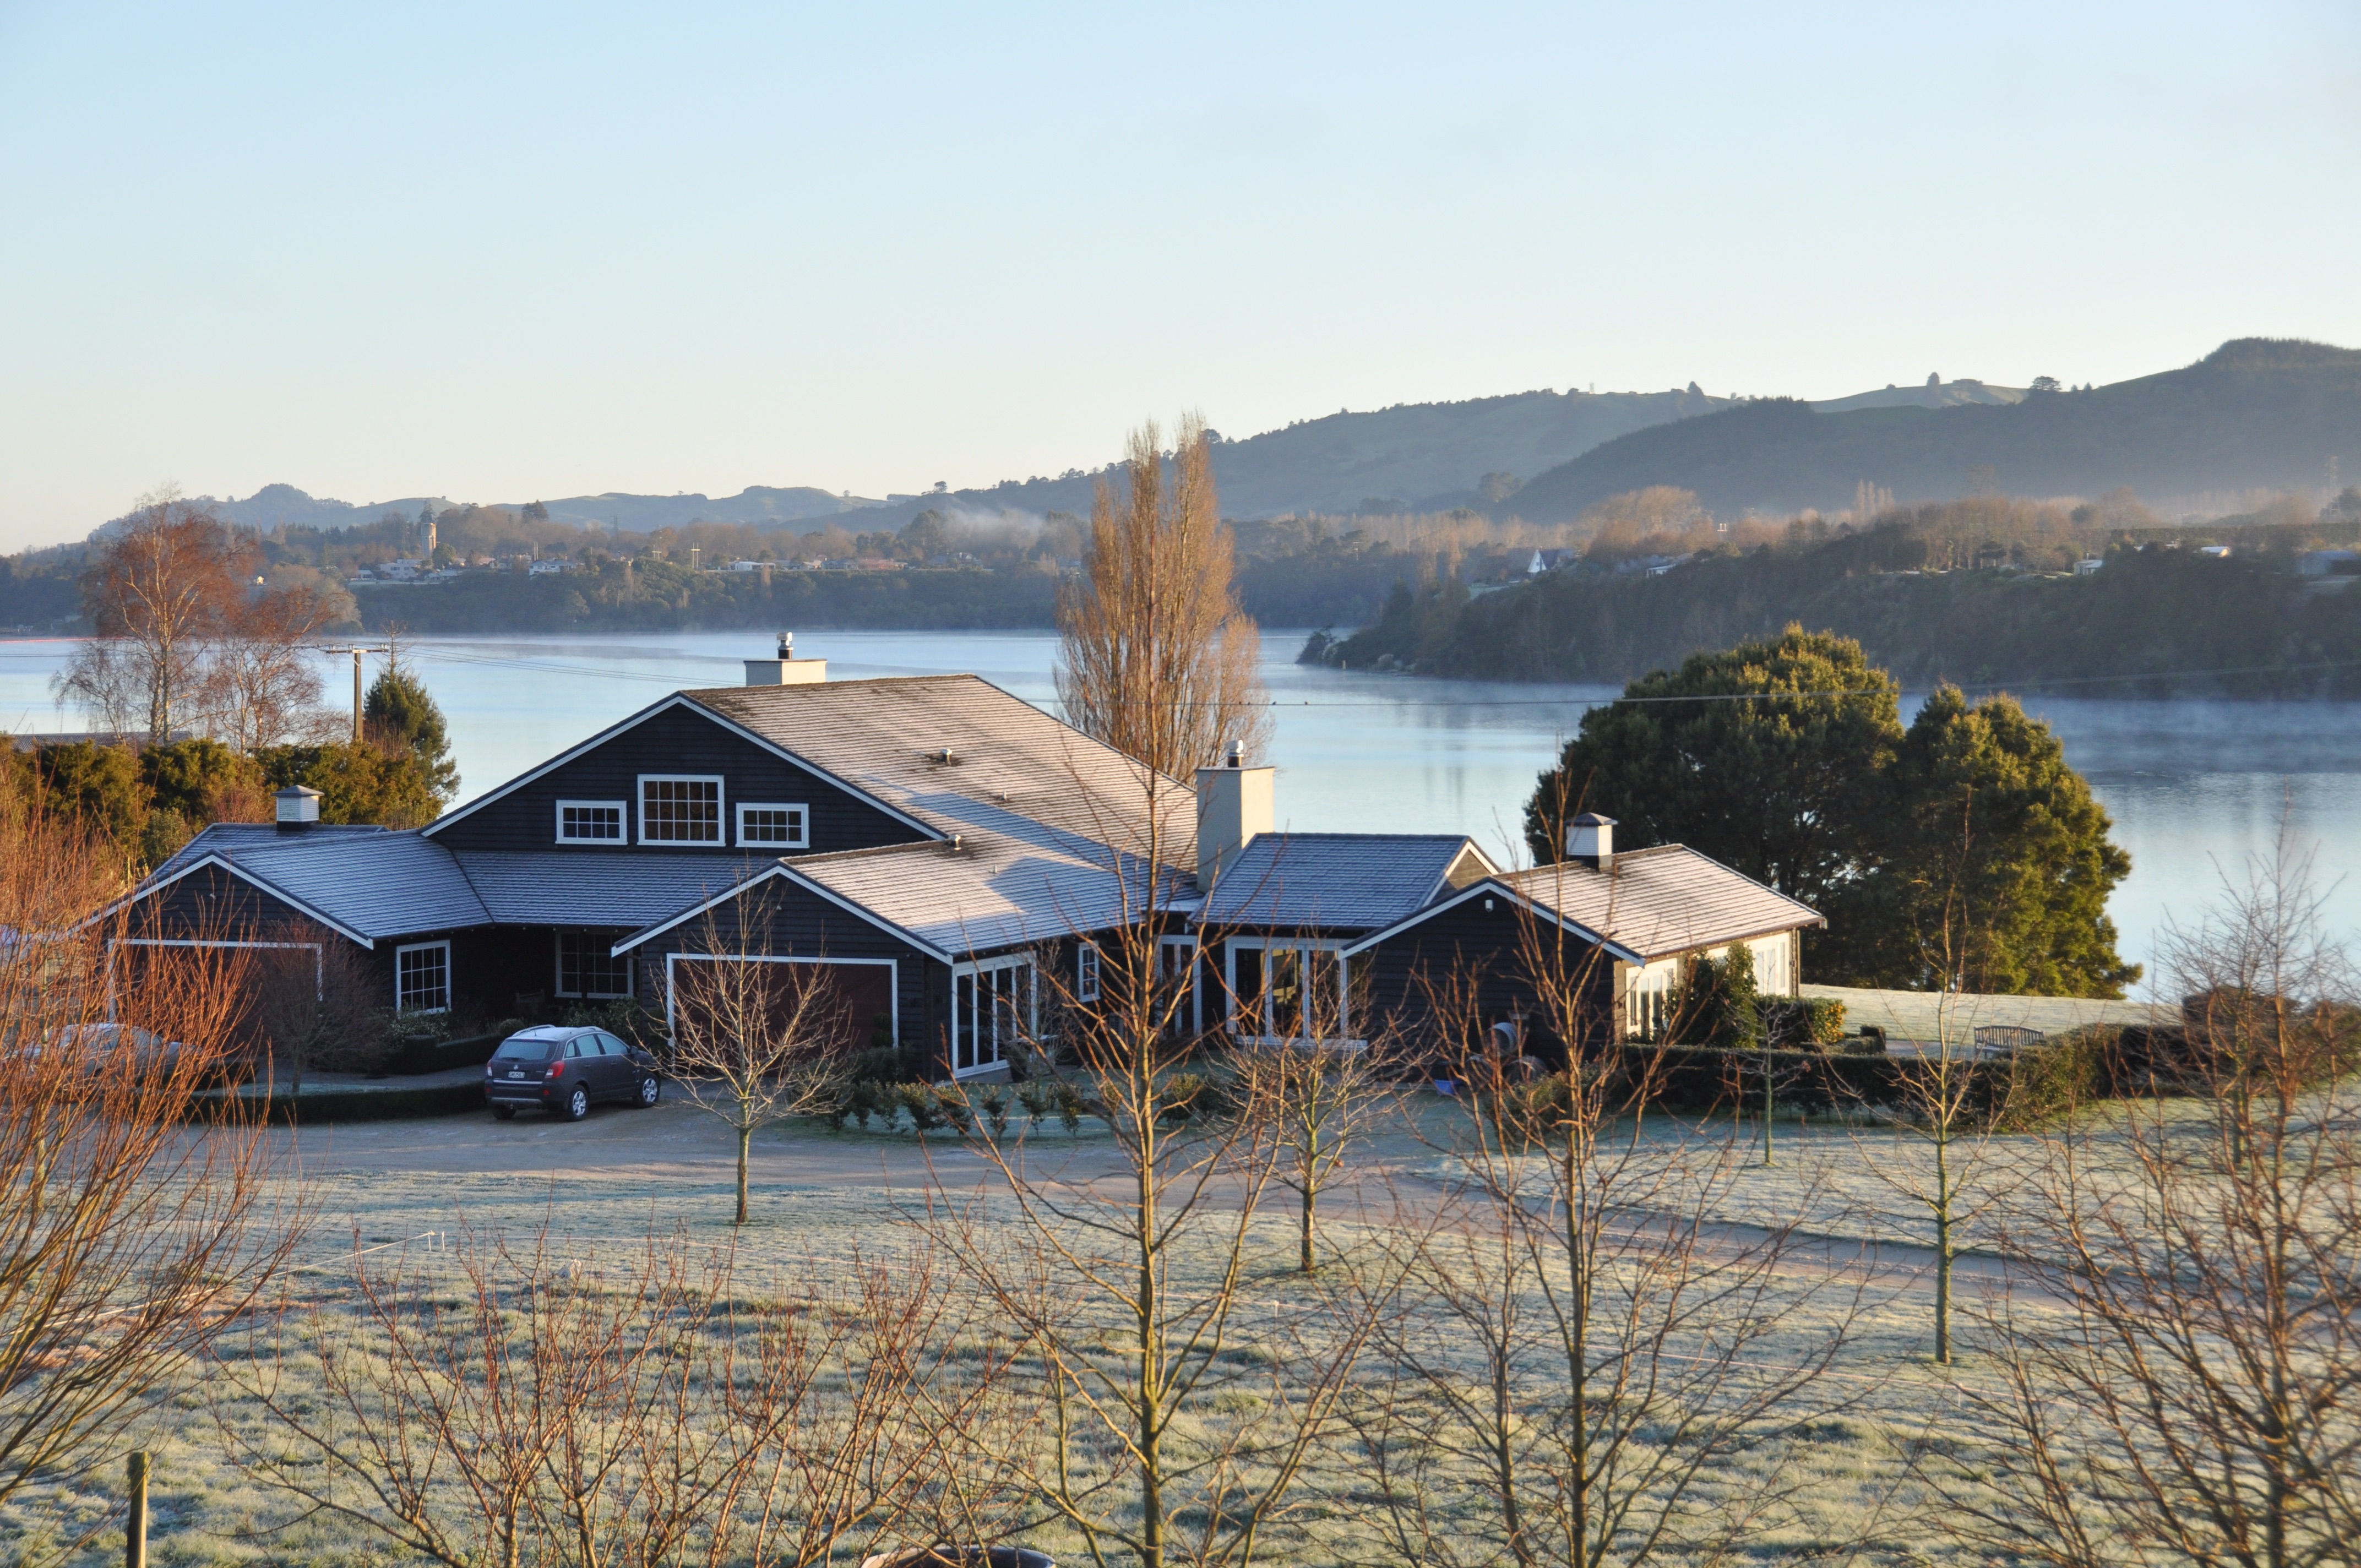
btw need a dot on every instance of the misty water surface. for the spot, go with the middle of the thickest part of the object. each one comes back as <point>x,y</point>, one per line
<point>2195,786</point>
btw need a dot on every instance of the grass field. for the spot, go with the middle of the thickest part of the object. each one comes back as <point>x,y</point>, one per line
<point>417,1192</point>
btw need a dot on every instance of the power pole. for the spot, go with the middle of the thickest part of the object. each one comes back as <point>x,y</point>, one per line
<point>356,650</point>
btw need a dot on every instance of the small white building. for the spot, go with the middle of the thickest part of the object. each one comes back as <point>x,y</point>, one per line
<point>2087,565</point>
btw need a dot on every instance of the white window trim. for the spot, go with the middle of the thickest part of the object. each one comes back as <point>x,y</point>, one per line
<point>801,841</point>
<point>1236,945</point>
<point>622,809</point>
<point>720,809</point>
<point>979,967</point>
<point>1196,979</point>
<point>557,974</point>
<point>1086,971</point>
<point>891,966</point>
<point>420,948</point>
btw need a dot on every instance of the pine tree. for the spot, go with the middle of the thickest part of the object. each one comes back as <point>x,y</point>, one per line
<point>399,711</point>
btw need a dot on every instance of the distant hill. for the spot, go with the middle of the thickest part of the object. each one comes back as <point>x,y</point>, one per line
<point>273,505</point>
<point>1933,393</point>
<point>1410,457</point>
<point>2255,412</point>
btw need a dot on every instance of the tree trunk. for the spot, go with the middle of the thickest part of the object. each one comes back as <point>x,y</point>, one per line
<point>1310,1199</point>
<point>746,1141</point>
<point>1943,1283</point>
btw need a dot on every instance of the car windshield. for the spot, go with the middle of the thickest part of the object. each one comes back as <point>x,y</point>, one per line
<point>518,1048</point>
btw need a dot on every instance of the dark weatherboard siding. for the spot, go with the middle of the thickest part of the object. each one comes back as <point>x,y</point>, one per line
<point>1476,955</point>
<point>679,739</point>
<point>784,920</point>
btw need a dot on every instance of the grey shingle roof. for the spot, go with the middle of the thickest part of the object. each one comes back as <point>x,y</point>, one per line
<point>1011,763</point>
<point>1338,882</point>
<point>993,891</point>
<point>1663,900</point>
<point>365,879</point>
<point>578,887</point>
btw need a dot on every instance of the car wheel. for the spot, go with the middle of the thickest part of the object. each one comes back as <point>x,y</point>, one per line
<point>504,1113</point>
<point>577,1103</point>
<point>650,1092</point>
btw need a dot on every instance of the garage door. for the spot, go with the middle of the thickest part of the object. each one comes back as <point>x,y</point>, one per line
<point>837,1004</point>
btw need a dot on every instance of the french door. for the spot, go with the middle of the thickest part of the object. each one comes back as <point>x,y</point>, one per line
<point>993,1008</point>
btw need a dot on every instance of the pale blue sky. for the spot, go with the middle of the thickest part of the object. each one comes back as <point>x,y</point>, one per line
<point>499,251</point>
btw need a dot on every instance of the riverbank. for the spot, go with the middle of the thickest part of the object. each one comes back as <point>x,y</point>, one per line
<point>2149,622</point>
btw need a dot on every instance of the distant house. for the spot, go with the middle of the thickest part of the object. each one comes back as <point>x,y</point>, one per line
<point>928,849</point>
<point>2329,563</point>
<point>2217,552</point>
<point>548,568</point>
<point>748,565</point>
<point>2089,566</point>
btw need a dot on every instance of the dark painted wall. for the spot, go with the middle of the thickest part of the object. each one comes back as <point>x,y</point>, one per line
<point>788,921</point>
<point>679,740</point>
<point>1472,963</point>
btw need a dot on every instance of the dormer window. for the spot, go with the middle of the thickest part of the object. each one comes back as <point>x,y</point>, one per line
<point>591,821</point>
<point>680,808</point>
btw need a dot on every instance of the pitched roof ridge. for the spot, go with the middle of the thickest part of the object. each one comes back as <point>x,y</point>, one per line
<point>870,852</point>
<point>836,684</point>
<point>1374,838</point>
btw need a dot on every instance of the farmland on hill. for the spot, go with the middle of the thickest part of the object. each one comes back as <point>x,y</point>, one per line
<point>2255,412</point>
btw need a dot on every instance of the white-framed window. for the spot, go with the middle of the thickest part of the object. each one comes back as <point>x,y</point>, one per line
<point>422,978</point>
<point>680,808</point>
<point>591,821</point>
<point>994,1008</point>
<point>775,827</point>
<point>1086,972</point>
<point>587,965</point>
<point>1288,988</point>
<point>1176,966</point>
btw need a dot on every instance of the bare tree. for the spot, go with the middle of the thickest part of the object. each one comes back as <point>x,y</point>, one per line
<point>261,678</point>
<point>158,594</point>
<point>1157,1441</point>
<point>184,636</point>
<point>755,1038</point>
<point>1156,658</point>
<point>1586,1357</point>
<point>134,1216</point>
<point>317,1005</point>
<point>1323,1093</point>
<point>2184,1385</point>
<point>636,1412</point>
<point>1948,1103</point>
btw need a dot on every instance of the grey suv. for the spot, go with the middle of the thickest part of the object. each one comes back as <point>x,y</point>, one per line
<point>567,1070</point>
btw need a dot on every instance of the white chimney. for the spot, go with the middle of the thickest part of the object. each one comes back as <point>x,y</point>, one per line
<point>786,670</point>
<point>1234,803</point>
<point>298,808</point>
<point>1591,841</point>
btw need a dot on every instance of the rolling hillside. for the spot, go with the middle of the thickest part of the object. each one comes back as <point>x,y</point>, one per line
<point>2255,412</point>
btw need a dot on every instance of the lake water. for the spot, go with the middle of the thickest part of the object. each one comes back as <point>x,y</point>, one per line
<point>2195,787</point>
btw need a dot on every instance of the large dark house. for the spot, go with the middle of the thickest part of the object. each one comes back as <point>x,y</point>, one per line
<point>932,844</point>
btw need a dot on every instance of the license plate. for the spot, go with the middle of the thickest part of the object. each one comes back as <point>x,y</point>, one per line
<point>516,1075</point>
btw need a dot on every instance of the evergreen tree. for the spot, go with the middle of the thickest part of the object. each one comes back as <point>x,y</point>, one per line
<point>1964,852</point>
<point>399,711</point>
<point>1996,864</point>
<point>1763,756</point>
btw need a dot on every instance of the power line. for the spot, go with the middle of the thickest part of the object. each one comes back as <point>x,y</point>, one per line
<point>552,667</point>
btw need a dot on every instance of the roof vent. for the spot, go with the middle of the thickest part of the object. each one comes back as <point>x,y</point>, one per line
<point>786,670</point>
<point>297,808</point>
<point>1591,841</point>
<point>946,758</point>
<point>957,840</point>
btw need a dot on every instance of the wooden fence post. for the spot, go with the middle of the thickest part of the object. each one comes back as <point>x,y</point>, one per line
<point>134,1522</point>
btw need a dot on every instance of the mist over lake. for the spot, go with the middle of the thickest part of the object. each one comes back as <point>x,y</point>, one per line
<point>2195,786</point>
